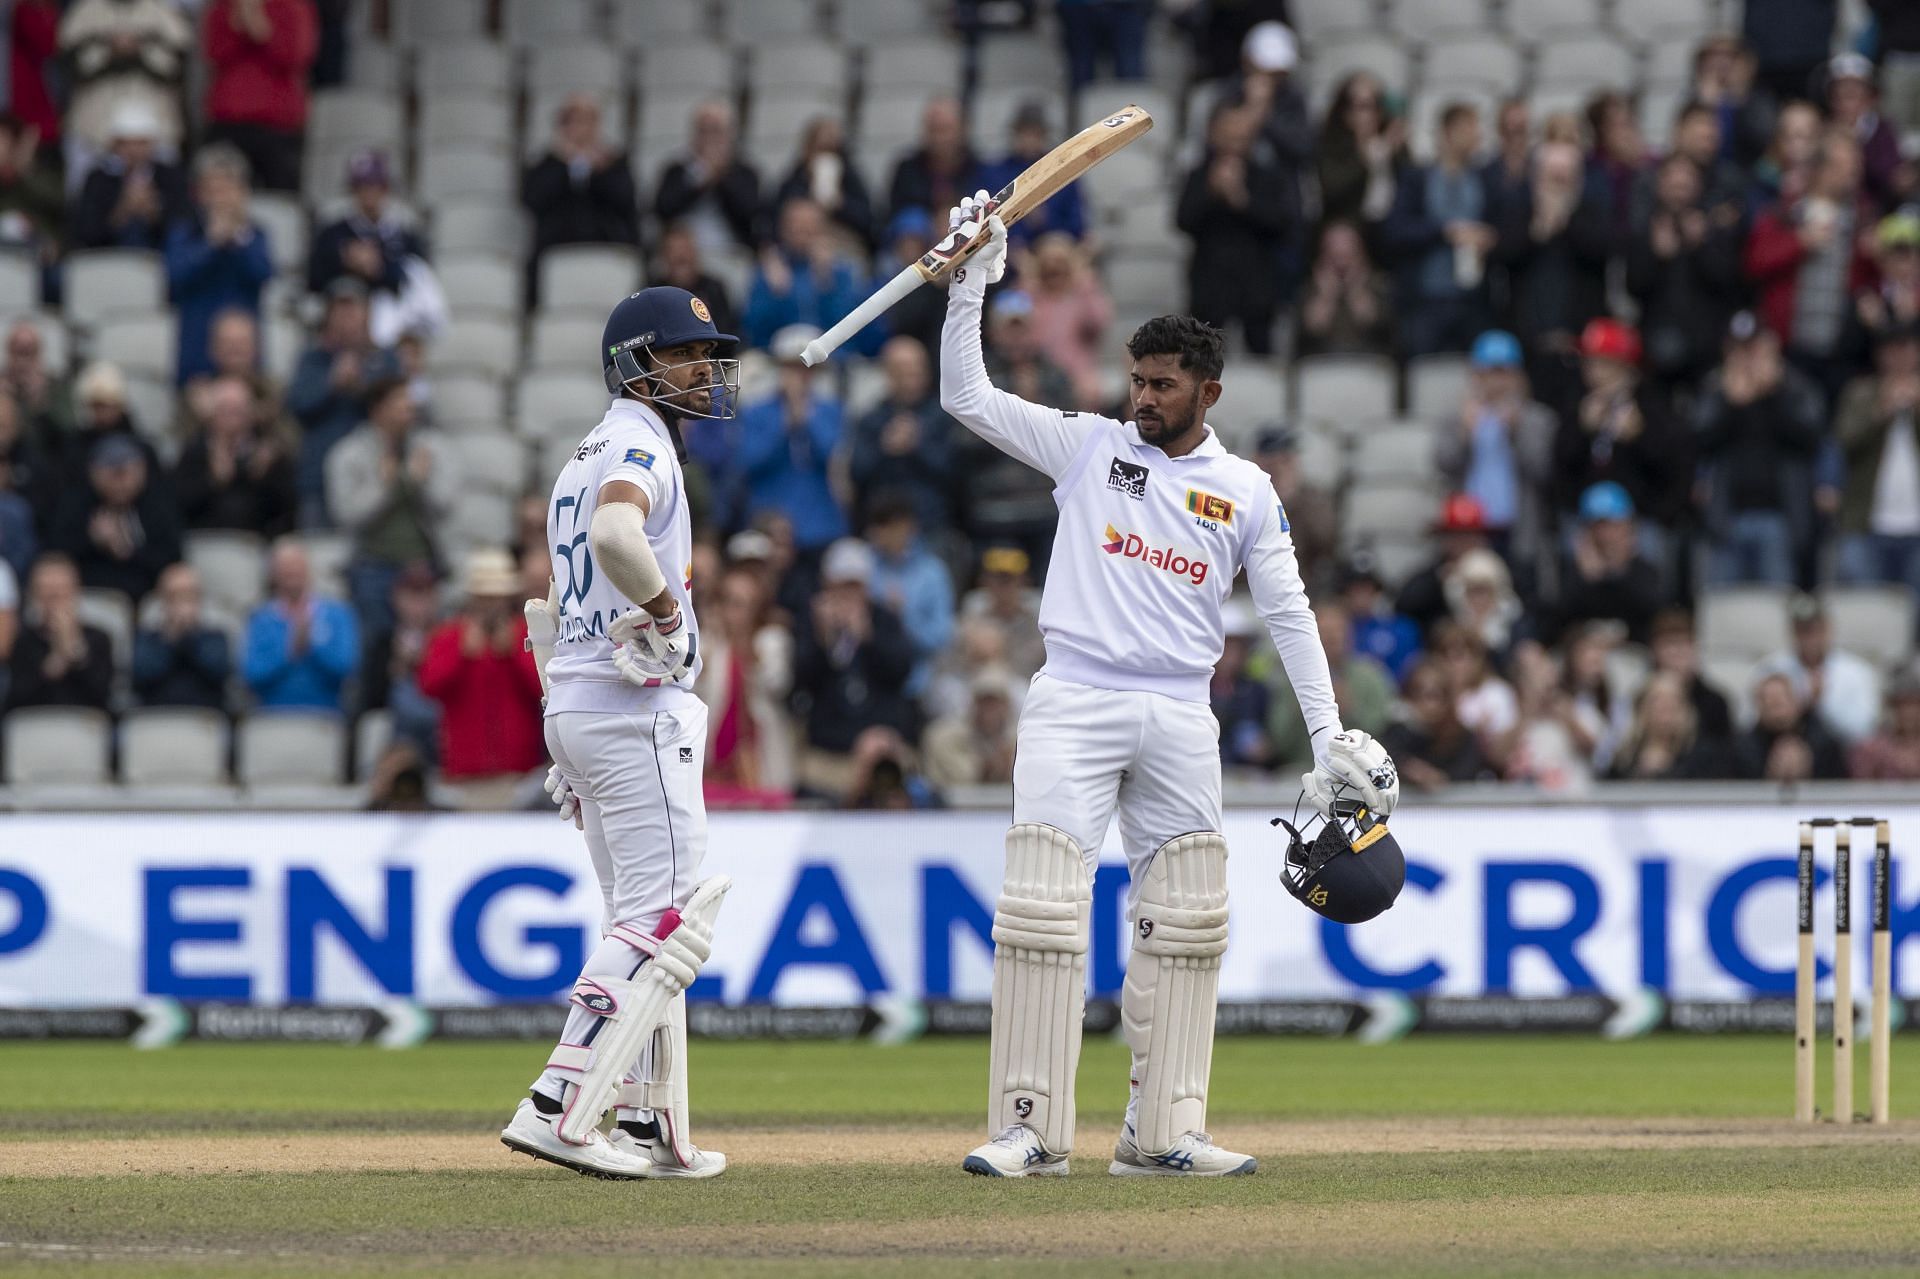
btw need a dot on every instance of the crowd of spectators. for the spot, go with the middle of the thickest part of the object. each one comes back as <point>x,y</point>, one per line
<point>1693,361</point>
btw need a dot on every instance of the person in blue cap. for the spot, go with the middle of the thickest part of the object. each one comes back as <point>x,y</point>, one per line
<point>1499,451</point>
<point>617,649</point>
<point>1606,575</point>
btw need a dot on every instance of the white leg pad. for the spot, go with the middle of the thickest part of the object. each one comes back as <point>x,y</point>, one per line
<point>1173,982</point>
<point>662,1083</point>
<point>634,1009</point>
<point>1040,932</point>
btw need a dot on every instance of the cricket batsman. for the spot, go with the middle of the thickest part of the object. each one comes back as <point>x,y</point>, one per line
<point>618,649</point>
<point>1156,520</point>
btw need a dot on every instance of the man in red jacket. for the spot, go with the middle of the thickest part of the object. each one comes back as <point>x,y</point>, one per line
<point>259,51</point>
<point>480,672</point>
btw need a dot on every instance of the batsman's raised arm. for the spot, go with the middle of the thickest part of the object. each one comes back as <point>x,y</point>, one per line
<point>1044,438</point>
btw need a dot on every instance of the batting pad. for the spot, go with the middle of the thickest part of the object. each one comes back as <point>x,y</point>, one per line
<point>634,1009</point>
<point>1040,931</point>
<point>659,1082</point>
<point>1173,982</point>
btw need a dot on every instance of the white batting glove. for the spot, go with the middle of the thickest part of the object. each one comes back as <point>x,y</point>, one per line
<point>543,632</point>
<point>652,651</point>
<point>561,792</point>
<point>964,222</point>
<point>1356,772</point>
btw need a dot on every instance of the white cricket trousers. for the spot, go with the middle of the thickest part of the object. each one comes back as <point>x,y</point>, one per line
<point>1082,752</point>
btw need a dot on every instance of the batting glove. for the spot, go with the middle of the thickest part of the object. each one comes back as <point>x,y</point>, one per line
<point>1355,773</point>
<point>561,792</point>
<point>964,223</point>
<point>652,651</point>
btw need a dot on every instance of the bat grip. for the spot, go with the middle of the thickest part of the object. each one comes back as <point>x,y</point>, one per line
<point>861,316</point>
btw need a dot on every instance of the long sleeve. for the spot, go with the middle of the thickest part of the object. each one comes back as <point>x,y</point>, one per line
<point>153,660</point>
<point>441,665</point>
<point>1273,575</point>
<point>336,646</point>
<point>1045,439</point>
<point>266,658</point>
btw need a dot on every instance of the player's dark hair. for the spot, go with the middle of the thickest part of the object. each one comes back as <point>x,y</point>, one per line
<point>1197,343</point>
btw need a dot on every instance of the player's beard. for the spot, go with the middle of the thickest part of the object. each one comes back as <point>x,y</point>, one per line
<point>1160,430</point>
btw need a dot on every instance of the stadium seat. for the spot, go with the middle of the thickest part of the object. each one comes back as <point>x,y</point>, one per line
<point>1548,100</point>
<point>1534,20</point>
<point>1588,59</point>
<point>1670,66</point>
<point>1391,511</point>
<point>1148,280</point>
<point>481,283</point>
<point>493,462</point>
<point>1875,621</point>
<point>552,453</point>
<point>468,171</point>
<point>56,745</point>
<point>778,25</point>
<point>1397,557</point>
<point>1123,177</point>
<point>466,119</point>
<point>352,118</point>
<point>1745,622</point>
<point>285,221</point>
<point>374,66</point>
<point>282,747</point>
<point>862,21</point>
<point>1482,60</point>
<point>422,24</point>
<point>1680,23</point>
<point>282,339</point>
<point>1733,676</point>
<point>488,227</point>
<point>1657,109</point>
<point>372,734</point>
<point>328,551</point>
<point>990,115</point>
<point>799,64</point>
<point>1383,55</point>
<point>151,403</point>
<point>1146,226</point>
<point>323,165</point>
<point>464,404</point>
<point>587,277</point>
<point>772,136</point>
<point>697,68</point>
<point>1436,387</point>
<point>533,23</point>
<point>19,280</point>
<point>1346,390</point>
<point>929,64</point>
<point>146,343</point>
<point>1253,394</point>
<point>1627,668</point>
<point>1394,453</point>
<point>1322,459</point>
<point>107,282</point>
<point>564,341</point>
<point>481,519</point>
<point>1418,21</point>
<point>866,387</point>
<point>232,567</point>
<point>478,343</point>
<point>173,746</point>
<point>565,66</point>
<point>642,24</point>
<point>1019,61</point>
<point>557,403</point>
<point>463,66</point>
<point>1315,20</point>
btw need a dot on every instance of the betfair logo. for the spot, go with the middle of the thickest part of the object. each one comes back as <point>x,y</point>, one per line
<point>1131,546</point>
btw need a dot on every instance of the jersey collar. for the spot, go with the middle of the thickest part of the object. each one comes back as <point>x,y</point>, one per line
<point>1209,445</point>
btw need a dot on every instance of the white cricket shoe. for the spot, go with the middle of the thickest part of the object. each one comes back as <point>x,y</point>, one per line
<point>531,1133</point>
<point>661,1164</point>
<point>1016,1152</point>
<point>1192,1154</point>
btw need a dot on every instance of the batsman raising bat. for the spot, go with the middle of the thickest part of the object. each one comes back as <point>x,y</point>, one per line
<point>1156,520</point>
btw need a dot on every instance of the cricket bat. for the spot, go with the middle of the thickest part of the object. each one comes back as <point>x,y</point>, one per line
<point>1042,180</point>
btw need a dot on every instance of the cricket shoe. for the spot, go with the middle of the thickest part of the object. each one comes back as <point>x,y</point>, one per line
<point>659,1157</point>
<point>1016,1152</point>
<point>1192,1154</point>
<point>531,1133</point>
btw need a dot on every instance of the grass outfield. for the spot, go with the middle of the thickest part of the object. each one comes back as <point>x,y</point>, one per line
<point>1428,1157</point>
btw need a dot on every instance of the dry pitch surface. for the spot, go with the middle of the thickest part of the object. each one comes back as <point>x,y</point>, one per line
<point>1433,1158</point>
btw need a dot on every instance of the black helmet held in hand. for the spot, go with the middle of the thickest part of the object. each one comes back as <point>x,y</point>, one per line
<point>1350,871</point>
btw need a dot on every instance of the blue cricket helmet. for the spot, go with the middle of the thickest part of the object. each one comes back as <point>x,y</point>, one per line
<point>661,316</point>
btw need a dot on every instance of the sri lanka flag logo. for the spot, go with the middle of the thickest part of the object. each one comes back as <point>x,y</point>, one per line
<point>1209,507</point>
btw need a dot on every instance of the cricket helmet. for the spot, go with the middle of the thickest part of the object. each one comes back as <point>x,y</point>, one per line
<point>1350,870</point>
<point>656,319</point>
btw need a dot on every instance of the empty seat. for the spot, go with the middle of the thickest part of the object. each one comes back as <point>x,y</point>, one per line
<point>697,67</point>
<point>327,554</point>
<point>1333,60</point>
<point>639,26</point>
<point>422,24</point>
<point>300,748</point>
<point>1670,65</point>
<point>990,115</point>
<point>556,403</point>
<point>1533,20</point>
<point>1397,557</point>
<point>481,343</point>
<point>1394,452</point>
<point>567,66</point>
<point>463,66</point>
<point>1732,674</point>
<point>1743,621</point>
<point>354,118</point>
<point>1421,20</point>
<point>800,64</point>
<point>1590,59</point>
<point>465,403</point>
<point>1657,22</point>
<point>140,343</point>
<point>374,65</point>
<point>173,746</point>
<point>1252,395</point>
<point>1018,61</point>
<point>55,745</point>
<point>285,221</point>
<point>1875,621</point>
<point>19,280</point>
<point>485,283</point>
<point>106,282</point>
<point>930,64</point>
<point>1124,176</point>
<point>534,22</point>
<point>482,518</point>
<point>1346,390</point>
<point>563,341</point>
<point>588,277</point>
<point>483,120</point>
<point>372,734</point>
<point>1315,20</point>
<point>1485,59</point>
<point>1391,511</point>
<point>492,462</point>
<point>455,172</point>
<point>1436,386</point>
<point>232,567</point>
<point>865,20</point>
<point>494,228</point>
<point>151,402</point>
<point>1148,280</point>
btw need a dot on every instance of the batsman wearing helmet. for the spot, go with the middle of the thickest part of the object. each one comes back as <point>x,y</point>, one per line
<point>1156,520</point>
<point>618,648</point>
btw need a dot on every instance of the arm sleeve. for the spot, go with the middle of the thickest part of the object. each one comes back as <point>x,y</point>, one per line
<point>1274,577</point>
<point>441,664</point>
<point>340,654</point>
<point>1045,439</point>
<point>265,657</point>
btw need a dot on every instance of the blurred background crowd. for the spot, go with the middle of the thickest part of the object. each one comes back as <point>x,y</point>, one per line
<point>1581,339</point>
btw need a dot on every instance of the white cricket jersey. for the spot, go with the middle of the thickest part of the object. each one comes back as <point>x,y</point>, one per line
<point>1147,546</point>
<point>631,443</point>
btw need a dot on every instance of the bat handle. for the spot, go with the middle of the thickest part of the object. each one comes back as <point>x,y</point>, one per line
<point>861,316</point>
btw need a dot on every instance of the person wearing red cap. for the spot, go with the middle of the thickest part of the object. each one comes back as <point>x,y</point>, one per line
<point>1621,429</point>
<point>1460,527</point>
